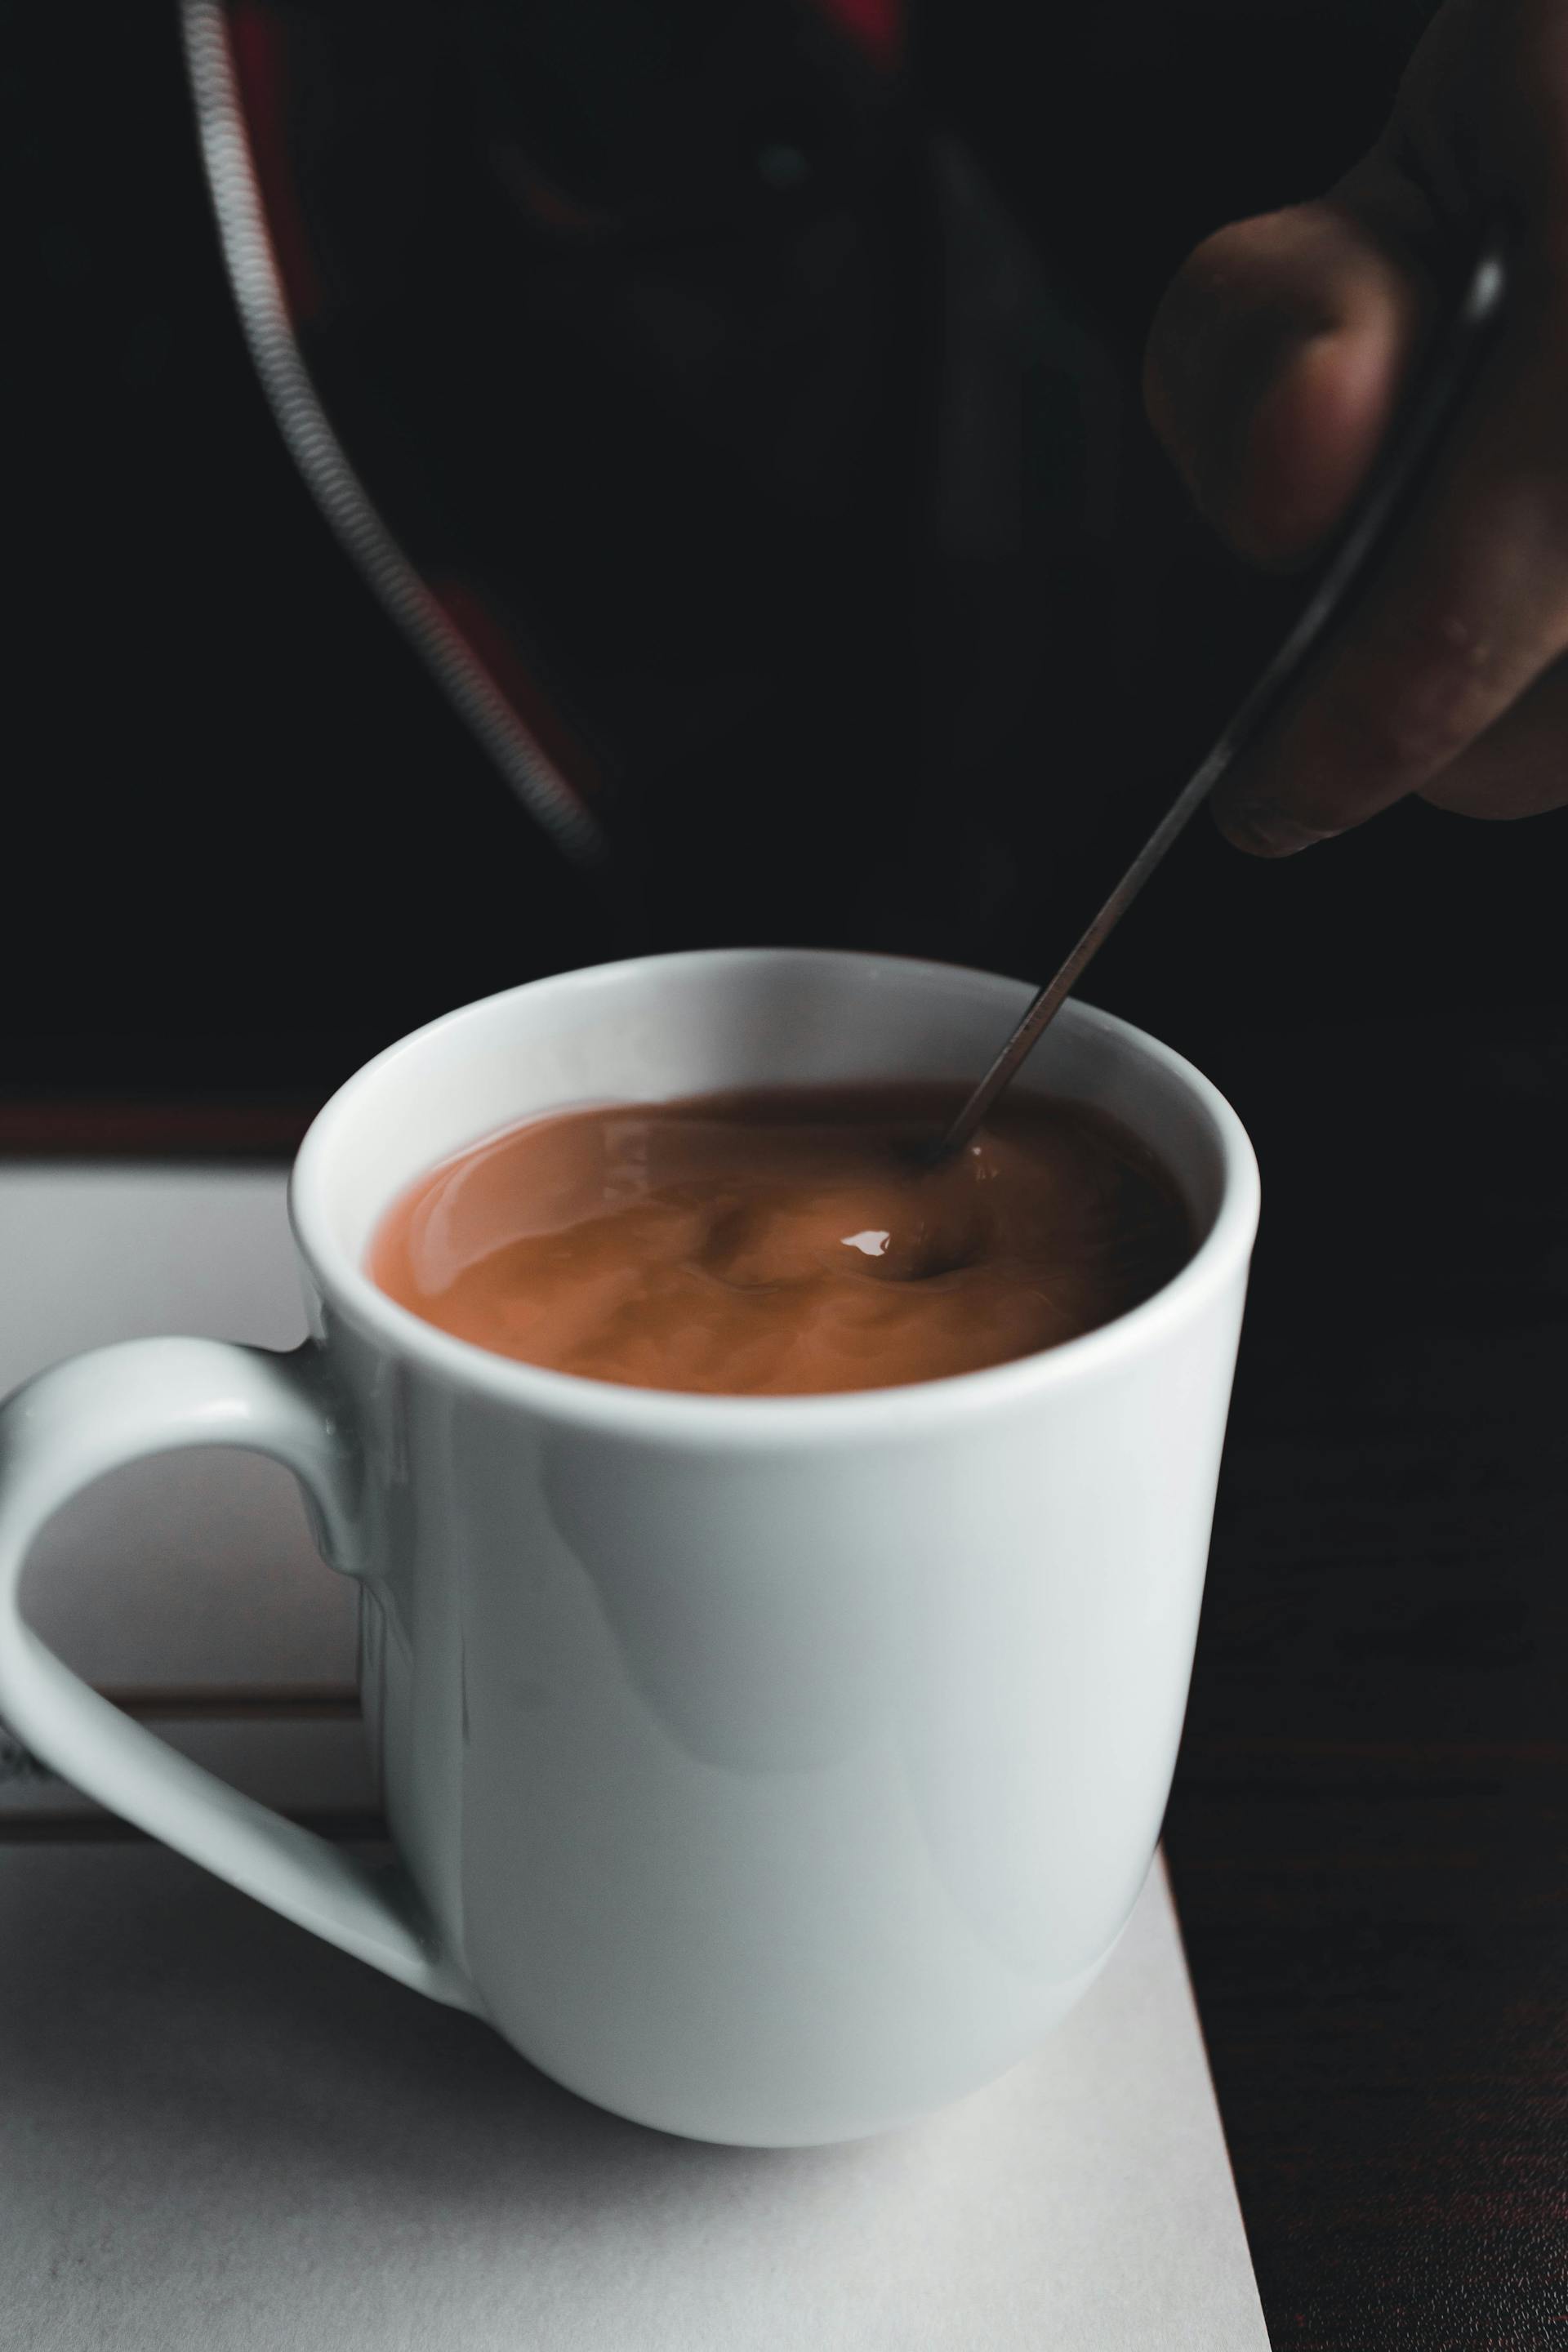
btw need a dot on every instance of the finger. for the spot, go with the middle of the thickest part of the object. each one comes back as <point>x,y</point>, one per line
<point>1275,363</point>
<point>1471,608</point>
<point>1520,766</point>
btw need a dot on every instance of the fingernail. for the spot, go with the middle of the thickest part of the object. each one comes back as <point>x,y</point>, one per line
<point>1266,831</point>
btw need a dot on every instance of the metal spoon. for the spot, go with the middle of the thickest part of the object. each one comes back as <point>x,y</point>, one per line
<point>1448,375</point>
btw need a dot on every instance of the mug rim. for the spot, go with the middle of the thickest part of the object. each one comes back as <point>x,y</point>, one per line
<point>683,1416</point>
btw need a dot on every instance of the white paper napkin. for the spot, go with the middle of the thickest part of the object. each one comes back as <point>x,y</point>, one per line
<point>195,1568</point>
<point>219,2135</point>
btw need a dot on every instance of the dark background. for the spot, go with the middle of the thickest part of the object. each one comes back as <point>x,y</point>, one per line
<point>247,844</point>
<point>248,841</point>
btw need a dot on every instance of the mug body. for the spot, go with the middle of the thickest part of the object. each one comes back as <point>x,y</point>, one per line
<point>775,1768</point>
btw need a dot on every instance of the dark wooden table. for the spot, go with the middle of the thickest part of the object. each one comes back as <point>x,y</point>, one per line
<point>1368,1834</point>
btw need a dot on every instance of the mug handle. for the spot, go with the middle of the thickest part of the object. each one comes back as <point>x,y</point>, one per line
<point>67,1427</point>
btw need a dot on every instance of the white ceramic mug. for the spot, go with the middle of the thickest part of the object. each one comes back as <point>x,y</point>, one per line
<point>767,1769</point>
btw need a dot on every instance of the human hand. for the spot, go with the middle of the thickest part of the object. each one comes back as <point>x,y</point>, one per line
<point>1277,360</point>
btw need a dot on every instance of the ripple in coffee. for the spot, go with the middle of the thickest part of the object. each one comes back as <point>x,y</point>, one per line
<point>785,1242</point>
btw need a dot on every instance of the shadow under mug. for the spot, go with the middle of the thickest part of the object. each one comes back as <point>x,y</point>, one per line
<point>770,1770</point>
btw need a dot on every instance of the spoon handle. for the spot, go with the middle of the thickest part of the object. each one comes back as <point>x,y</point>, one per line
<point>1413,441</point>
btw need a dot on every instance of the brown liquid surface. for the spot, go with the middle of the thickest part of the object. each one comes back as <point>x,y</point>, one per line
<point>785,1242</point>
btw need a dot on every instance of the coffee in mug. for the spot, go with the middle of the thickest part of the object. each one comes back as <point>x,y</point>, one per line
<point>787,1241</point>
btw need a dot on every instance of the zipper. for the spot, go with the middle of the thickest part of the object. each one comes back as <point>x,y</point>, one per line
<point>344,501</point>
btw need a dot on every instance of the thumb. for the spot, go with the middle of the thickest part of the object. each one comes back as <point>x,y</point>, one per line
<point>1273,365</point>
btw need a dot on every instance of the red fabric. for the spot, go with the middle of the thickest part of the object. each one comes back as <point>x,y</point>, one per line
<point>877,26</point>
<point>259,44</point>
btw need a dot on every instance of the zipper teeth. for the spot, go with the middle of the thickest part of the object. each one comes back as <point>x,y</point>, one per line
<point>322,460</point>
